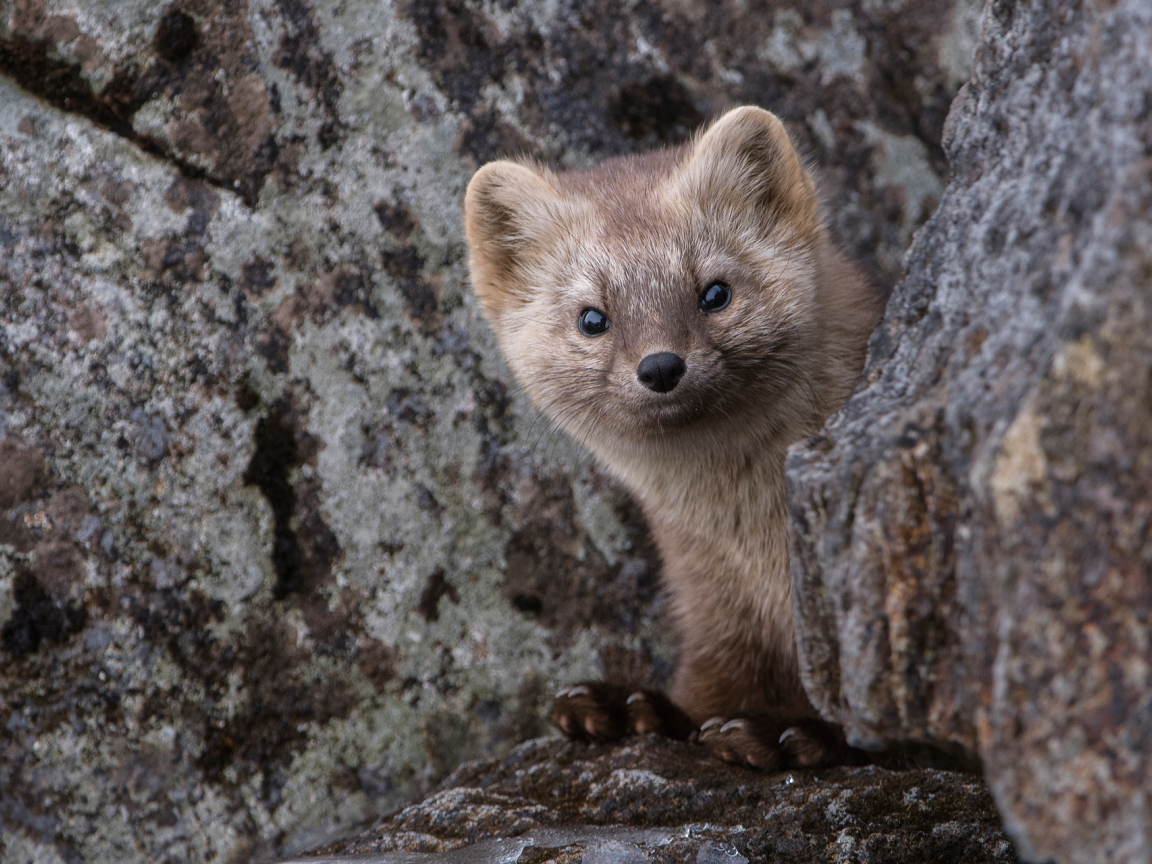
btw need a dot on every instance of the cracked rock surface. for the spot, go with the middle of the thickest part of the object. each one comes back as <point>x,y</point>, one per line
<point>280,544</point>
<point>972,535</point>
<point>662,801</point>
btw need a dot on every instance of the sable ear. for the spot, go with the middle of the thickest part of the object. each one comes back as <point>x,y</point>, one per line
<point>746,160</point>
<point>509,210</point>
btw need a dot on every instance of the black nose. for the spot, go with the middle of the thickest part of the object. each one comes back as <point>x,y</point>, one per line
<point>661,372</point>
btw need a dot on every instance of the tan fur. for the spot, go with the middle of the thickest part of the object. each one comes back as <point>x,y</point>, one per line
<point>639,238</point>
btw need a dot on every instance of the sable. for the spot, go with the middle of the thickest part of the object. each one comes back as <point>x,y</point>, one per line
<point>685,316</point>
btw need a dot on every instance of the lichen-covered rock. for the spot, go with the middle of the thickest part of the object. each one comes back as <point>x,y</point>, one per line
<point>973,533</point>
<point>279,544</point>
<point>664,801</point>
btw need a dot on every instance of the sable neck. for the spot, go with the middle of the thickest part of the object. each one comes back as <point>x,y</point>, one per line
<point>719,518</point>
<point>687,477</point>
<point>720,522</point>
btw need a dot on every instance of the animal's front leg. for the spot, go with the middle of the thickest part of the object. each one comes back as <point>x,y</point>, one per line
<point>602,711</point>
<point>754,709</point>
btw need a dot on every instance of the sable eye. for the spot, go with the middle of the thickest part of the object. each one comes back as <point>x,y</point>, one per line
<point>715,297</point>
<point>593,322</point>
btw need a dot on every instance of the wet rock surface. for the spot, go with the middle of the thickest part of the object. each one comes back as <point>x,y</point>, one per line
<point>972,535</point>
<point>663,801</point>
<point>280,542</point>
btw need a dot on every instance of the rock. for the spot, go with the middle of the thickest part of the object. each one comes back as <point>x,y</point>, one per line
<point>280,544</point>
<point>972,534</point>
<point>652,799</point>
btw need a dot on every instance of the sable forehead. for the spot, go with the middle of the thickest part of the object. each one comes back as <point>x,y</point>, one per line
<point>634,173</point>
<point>646,291</point>
<point>628,192</point>
<point>641,212</point>
<point>626,242</point>
<point>623,275</point>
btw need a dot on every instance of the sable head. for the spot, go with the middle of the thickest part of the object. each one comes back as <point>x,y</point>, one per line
<point>655,294</point>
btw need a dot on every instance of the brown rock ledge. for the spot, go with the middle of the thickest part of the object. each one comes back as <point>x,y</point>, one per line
<point>658,800</point>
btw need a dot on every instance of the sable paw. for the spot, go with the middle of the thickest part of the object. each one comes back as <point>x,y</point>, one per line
<point>771,743</point>
<point>591,711</point>
<point>605,712</point>
<point>743,741</point>
<point>812,743</point>
<point>803,749</point>
<point>652,711</point>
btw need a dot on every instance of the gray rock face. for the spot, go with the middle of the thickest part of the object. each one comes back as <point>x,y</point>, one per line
<point>662,801</point>
<point>279,543</point>
<point>972,537</point>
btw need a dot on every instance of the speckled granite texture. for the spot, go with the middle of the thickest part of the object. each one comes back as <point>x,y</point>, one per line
<point>280,544</point>
<point>972,549</point>
<point>664,801</point>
